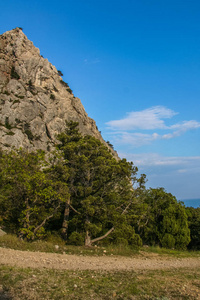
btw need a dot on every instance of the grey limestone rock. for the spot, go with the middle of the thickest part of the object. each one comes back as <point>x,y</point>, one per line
<point>34,100</point>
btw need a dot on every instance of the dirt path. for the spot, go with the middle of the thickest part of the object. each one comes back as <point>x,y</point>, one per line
<point>108,263</point>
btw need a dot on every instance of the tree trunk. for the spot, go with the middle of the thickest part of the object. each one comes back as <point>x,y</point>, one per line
<point>87,239</point>
<point>65,219</point>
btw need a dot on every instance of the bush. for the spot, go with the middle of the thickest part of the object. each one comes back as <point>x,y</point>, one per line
<point>14,74</point>
<point>121,241</point>
<point>194,226</point>
<point>76,239</point>
<point>69,90</point>
<point>168,241</point>
<point>6,93</point>
<point>28,132</point>
<point>109,144</point>
<point>164,222</point>
<point>60,73</point>
<point>16,101</point>
<point>10,133</point>
<point>65,84</point>
<point>135,241</point>
<point>7,124</point>
<point>52,97</point>
<point>30,85</point>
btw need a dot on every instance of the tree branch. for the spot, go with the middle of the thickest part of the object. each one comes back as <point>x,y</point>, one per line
<point>103,236</point>
<point>74,209</point>
<point>44,221</point>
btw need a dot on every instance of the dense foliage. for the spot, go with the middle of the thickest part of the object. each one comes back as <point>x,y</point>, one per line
<point>29,197</point>
<point>100,187</point>
<point>82,192</point>
<point>194,225</point>
<point>161,220</point>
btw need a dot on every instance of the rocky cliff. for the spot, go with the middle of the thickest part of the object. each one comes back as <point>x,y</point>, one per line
<point>34,100</point>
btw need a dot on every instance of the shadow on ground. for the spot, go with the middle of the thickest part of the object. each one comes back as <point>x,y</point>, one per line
<point>4,295</point>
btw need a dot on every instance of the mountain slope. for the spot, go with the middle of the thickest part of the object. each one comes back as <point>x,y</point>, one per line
<point>34,100</point>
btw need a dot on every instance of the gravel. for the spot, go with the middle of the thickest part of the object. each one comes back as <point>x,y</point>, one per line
<point>146,261</point>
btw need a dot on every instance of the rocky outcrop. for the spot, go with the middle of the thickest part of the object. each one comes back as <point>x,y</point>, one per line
<point>34,100</point>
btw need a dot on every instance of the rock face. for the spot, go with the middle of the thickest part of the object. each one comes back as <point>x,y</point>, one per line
<point>34,100</point>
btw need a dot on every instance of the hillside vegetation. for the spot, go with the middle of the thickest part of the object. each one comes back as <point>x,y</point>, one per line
<point>83,194</point>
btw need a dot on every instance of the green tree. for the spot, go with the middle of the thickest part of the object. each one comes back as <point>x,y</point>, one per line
<point>29,196</point>
<point>100,187</point>
<point>161,220</point>
<point>194,226</point>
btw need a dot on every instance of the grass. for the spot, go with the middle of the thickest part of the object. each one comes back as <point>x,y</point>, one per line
<point>13,242</point>
<point>55,284</point>
<point>171,252</point>
<point>32,284</point>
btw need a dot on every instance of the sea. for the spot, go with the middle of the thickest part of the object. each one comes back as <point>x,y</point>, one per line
<point>191,202</point>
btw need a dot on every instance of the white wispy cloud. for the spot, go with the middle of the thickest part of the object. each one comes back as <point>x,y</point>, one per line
<point>132,129</point>
<point>155,159</point>
<point>179,175</point>
<point>150,118</point>
<point>137,139</point>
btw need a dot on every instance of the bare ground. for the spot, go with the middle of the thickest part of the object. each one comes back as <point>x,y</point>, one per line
<point>145,261</point>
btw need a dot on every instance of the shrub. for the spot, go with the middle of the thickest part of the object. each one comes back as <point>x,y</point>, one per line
<point>7,124</point>
<point>16,101</point>
<point>28,132</point>
<point>10,133</point>
<point>52,96</point>
<point>194,226</point>
<point>76,239</point>
<point>18,121</point>
<point>30,85</point>
<point>60,73</point>
<point>135,241</point>
<point>20,97</point>
<point>121,241</point>
<point>168,241</point>
<point>14,74</point>
<point>109,144</point>
<point>69,90</point>
<point>6,93</point>
<point>65,84</point>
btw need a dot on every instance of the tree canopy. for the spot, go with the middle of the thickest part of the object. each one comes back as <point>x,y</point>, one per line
<point>161,220</point>
<point>82,192</point>
<point>29,197</point>
<point>100,186</point>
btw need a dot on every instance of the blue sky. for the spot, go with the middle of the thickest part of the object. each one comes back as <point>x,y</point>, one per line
<point>135,65</point>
